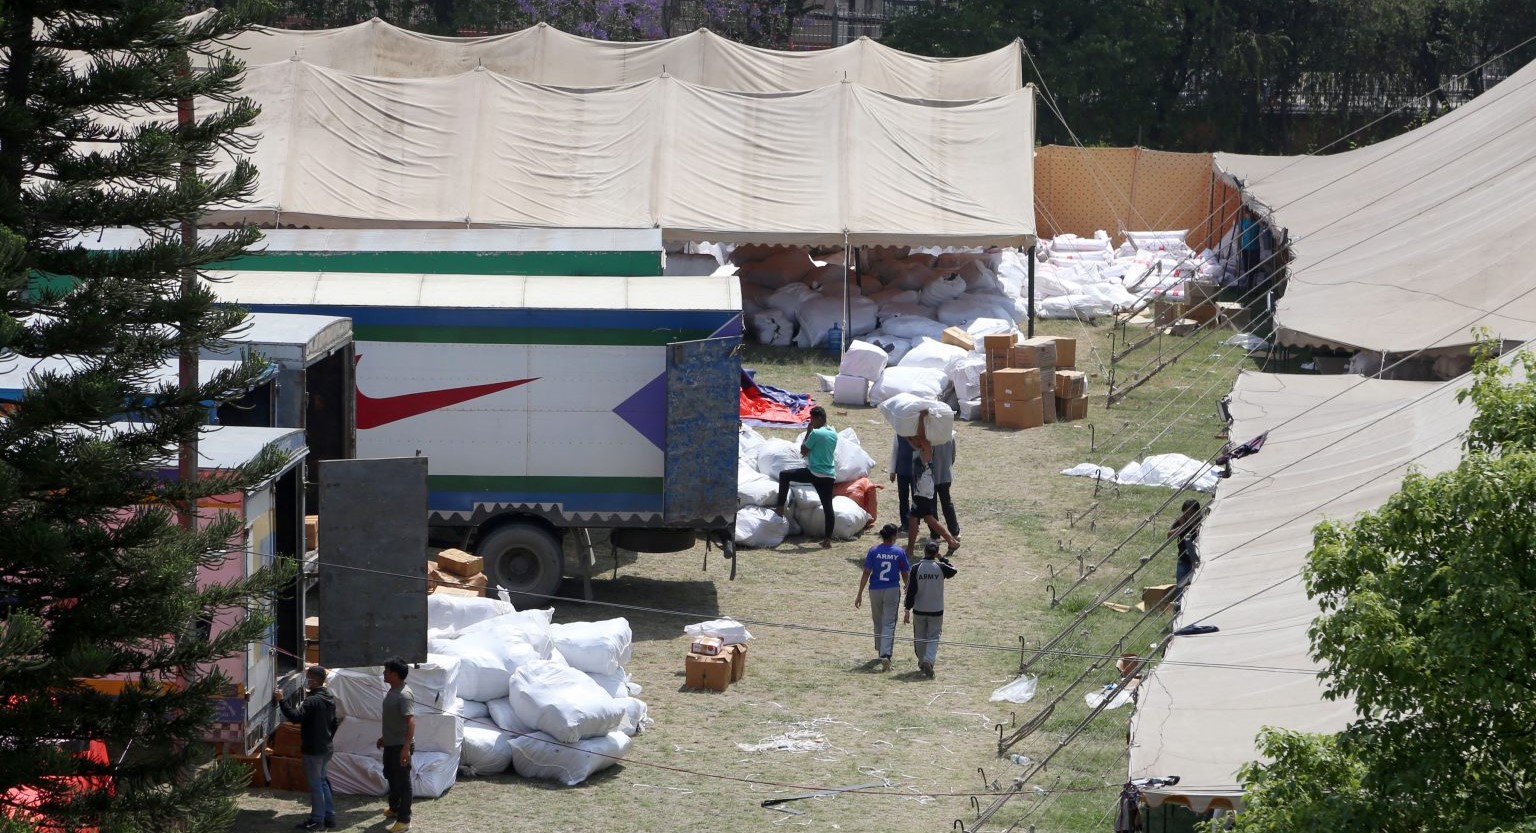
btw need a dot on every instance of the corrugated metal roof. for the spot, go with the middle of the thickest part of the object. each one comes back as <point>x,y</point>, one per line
<point>282,336</point>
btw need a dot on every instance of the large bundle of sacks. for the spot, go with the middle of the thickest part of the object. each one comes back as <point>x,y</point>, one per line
<point>501,689</point>
<point>759,462</point>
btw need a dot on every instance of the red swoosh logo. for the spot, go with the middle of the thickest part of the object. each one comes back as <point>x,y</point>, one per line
<point>374,412</point>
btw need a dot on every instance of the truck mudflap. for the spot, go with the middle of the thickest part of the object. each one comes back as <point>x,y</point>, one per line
<point>703,416</point>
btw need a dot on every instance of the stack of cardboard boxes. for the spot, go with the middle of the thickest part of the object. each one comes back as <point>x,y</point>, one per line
<point>456,573</point>
<point>1027,381</point>
<point>285,760</point>
<point>713,666</point>
<point>1192,306</point>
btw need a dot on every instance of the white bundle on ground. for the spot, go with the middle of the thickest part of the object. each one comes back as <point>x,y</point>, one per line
<point>894,346</point>
<point>933,354</point>
<point>1073,243</point>
<point>359,692</point>
<point>490,650</point>
<point>775,329</point>
<point>505,717</point>
<point>968,409</point>
<point>983,327</point>
<point>619,685</point>
<point>563,702</point>
<point>1159,241</point>
<point>459,612</point>
<point>777,455</point>
<point>636,715</point>
<point>852,461</point>
<point>966,309</point>
<point>828,279</point>
<point>1171,470</point>
<point>817,316</point>
<point>356,775</point>
<point>922,382</point>
<point>533,756</point>
<point>601,647</point>
<point>754,488</point>
<point>850,390</point>
<point>946,287</point>
<point>906,412</point>
<point>848,518</point>
<point>748,441</point>
<point>791,297</point>
<point>893,295</point>
<point>434,766</point>
<point>435,732</point>
<point>965,375</point>
<point>730,631</point>
<point>472,709</point>
<point>862,359</point>
<point>760,527</point>
<point>977,277</point>
<point>913,327</point>
<point>892,310</point>
<point>486,751</point>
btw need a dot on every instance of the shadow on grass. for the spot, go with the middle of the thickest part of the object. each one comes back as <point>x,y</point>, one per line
<point>695,601</point>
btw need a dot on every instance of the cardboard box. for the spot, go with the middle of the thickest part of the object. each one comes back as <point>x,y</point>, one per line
<point>311,532</point>
<point>1070,384</point>
<point>1024,355</point>
<point>708,673</point>
<point>1048,408</point>
<point>1183,327</point>
<point>959,337</point>
<point>1156,597</point>
<point>1066,352</point>
<point>999,342</point>
<point>449,590</point>
<point>312,627</point>
<point>1232,314</point>
<point>253,765</point>
<point>1164,313</point>
<point>460,563</point>
<point>437,578</point>
<point>738,655</point>
<point>1025,414</point>
<point>312,653</point>
<point>1045,349</point>
<point>708,646</point>
<point>1202,313</point>
<point>288,774</point>
<point>1018,384</point>
<point>1068,410</point>
<point>285,741</point>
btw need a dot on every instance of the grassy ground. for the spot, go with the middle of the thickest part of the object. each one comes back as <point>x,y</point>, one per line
<point>1024,528</point>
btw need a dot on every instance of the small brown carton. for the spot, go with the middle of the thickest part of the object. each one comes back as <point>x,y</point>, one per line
<point>460,563</point>
<point>311,532</point>
<point>1045,347</point>
<point>288,774</point>
<point>1068,410</point>
<point>1071,384</point>
<point>738,655</point>
<point>1156,597</point>
<point>312,653</point>
<point>285,741</point>
<point>1066,352</point>
<point>1024,355</point>
<point>999,342</point>
<point>1017,384</point>
<point>1025,414</point>
<point>708,673</point>
<point>312,628</point>
<point>708,646</point>
<point>959,337</point>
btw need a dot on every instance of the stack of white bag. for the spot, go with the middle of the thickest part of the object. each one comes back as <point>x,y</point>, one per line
<point>502,688</point>
<point>757,471</point>
<point>861,366</point>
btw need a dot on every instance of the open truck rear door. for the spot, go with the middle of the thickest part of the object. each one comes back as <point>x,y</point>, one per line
<point>703,415</point>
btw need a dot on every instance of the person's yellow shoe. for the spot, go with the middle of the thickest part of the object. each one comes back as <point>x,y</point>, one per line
<point>399,827</point>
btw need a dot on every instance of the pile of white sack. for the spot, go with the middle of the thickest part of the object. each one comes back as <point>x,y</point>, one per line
<point>501,689</point>
<point>759,461</point>
<point>904,295</point>
<point>1174,471</point>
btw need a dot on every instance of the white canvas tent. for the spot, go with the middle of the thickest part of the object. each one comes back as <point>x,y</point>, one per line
<point>545,55</point>
<point>1341,447</point>
<point>1408,244</point>
<point>837,164</point>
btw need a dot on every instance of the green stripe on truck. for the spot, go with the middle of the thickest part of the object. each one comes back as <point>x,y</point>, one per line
<point>612,264</point>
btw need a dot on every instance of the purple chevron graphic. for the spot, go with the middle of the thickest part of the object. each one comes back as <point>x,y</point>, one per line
<point>646,411</point>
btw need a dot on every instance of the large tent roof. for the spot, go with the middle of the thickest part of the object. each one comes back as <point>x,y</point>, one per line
<point>1340,446</point>
<point>823,166</point>
<point>1408,244</point>
<point>545,55</point>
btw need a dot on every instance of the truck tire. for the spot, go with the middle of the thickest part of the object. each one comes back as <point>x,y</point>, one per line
<point>524,559</point>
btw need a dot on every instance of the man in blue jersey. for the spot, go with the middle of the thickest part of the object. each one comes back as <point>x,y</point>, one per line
<point>925,600</point>
<point>885,571</point>
<point>819,450</point>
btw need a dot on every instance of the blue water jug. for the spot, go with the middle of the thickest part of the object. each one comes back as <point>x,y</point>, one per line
<point>835,339</point>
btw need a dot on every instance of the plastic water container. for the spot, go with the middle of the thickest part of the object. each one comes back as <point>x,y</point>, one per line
<point>835,339</point>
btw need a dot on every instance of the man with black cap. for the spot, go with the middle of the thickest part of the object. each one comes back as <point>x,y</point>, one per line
<point>925,599</point>
<point>316,716</point>
<point>885,571</point>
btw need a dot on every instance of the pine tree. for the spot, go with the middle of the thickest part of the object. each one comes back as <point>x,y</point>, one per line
<point>96,574</point>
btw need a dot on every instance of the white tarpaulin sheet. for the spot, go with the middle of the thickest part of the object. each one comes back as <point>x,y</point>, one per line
<point>1338,446</point>
<point>340,150</point>
<point>545,55</point>
<point>1409,243</point>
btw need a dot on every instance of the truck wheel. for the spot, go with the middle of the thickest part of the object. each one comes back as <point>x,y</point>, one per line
<point>524,559</point>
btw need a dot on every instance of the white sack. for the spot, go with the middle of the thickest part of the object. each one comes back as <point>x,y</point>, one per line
<point>488,651</point>
<point>969,409</point>
<point>617,685</point>
<point>903,309</point>
<point>533,756</point>
<point>775,329</point>
<point>473,710</point>
<point>753,489</point>
<point>978,278</point>
<point>505,717</point>
<point>945,288</point>
<point>730,631</point>
<point>636,715</point>
<point>760,527</point>
<point>893,296</point>
<point>1170,470</point>
<point>817,316</point>
<point>356,775</point>
<point>965,375</point>
<point>434,733</point>
<point>848,518</point>
<point>432,773</point>
<point>1094,470</point>
<point>913,327</point>
<point>486,751</point>
<point>776,455</point>
<point>922,382</point>
<point>748,441</point>
<point>1021,690</point>
<point>791,297</point>
<point>458,612</point>
<point>966,309</point>
<point>905,412</point>
<point>852,461</point>
<point>851,390</point>
<point>862,359</point>
<point>563,702</point>
<point>934,354</point>
<point>895,346</point>
<point>601,647</point>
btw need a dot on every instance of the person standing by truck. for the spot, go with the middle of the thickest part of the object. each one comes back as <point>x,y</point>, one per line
<point>316,716</point>
<point>925,598</point>
<point>819,450</point>
<point>885,572</point>
<point>397,741</point>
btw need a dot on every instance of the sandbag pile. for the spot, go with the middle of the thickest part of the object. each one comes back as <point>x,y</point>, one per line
<point>759,462</point>
<point>501,689</point>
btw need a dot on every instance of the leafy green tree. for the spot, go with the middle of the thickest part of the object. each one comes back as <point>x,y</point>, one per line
<point>1426,626</point>
<point>96,575</point>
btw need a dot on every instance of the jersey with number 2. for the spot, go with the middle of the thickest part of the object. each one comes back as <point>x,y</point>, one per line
<point>886,564</point>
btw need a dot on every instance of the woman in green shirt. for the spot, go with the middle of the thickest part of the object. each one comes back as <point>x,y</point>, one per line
<point>819,450</point>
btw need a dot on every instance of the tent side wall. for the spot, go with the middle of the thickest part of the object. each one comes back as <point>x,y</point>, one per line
<point>1081,190</point>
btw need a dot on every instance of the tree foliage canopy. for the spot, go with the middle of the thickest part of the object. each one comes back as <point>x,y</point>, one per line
<point>1426,625</point>
<point>96,575</point>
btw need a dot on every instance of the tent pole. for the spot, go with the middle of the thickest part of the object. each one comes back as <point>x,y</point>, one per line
<point>1030,270</point>
<point>850,273</point>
